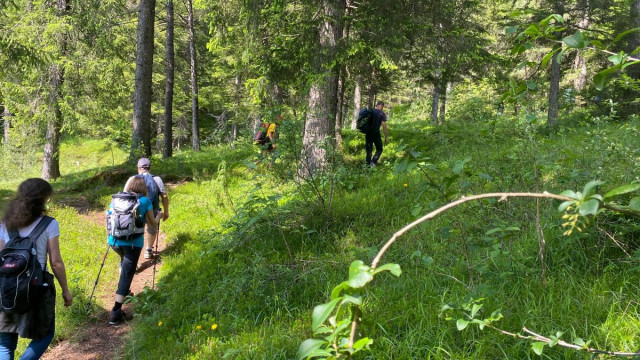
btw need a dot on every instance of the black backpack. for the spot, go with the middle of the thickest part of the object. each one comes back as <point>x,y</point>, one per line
<point>153,193</point>
<point>21,276</point>
<point>123,219</point>
<point>261,136</point>
<point>365,120</point>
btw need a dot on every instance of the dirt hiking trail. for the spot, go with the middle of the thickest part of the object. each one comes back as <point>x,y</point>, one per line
<point>98,339</point>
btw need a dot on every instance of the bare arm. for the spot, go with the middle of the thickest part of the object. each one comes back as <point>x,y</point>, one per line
<point>57,266</point>
<point>151,220</point>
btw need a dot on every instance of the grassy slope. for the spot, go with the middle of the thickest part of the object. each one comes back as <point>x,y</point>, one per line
<point>258,284</point>
<point>258,275</point>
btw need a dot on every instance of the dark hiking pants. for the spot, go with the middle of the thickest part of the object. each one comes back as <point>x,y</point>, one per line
<point>373,139</point>
<point>129,256</point>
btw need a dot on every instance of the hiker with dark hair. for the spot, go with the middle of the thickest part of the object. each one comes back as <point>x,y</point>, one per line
<point>156,192</point>
<point>21,217</point>
<point>130,248</point>
<point>373,137</point>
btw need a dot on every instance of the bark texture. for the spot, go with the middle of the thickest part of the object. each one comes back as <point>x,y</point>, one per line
<point>554,81</point>
<point>357,101</point>
<point>195,131</point>
<point>51,154</point>
<point>580,63</point>
<point>167,150</point>
<point>323,93</point>
<point>141,136</point>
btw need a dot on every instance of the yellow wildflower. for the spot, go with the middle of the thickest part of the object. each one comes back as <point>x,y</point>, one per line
<point>159,323</point>
<point>405,185</point>
<point>198,327</point>
<point>214,326</point>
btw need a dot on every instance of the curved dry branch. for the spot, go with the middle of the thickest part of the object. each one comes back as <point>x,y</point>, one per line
<point>502,196</point>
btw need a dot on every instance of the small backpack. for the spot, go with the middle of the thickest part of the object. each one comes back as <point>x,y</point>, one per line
<point>123,219</point>
<point>261,135</point>
<point>365,120</point>
<point>153,193</point>
<point>21,275</point>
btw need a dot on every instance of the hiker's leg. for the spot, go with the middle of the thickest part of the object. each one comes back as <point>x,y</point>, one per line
<point>377,141</point>
<point>368,145</point>
<point>150,234</point>
<point>129,262</point>
<point>37,347</point>
<point>8,343</point>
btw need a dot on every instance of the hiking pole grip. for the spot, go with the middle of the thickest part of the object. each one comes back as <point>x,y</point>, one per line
<point>95,284</point>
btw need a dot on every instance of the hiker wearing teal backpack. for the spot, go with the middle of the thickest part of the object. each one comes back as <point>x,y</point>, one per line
<point>129,246</point>
<point>26,226</point>
<point>156,192</point>
<point>372,136</point>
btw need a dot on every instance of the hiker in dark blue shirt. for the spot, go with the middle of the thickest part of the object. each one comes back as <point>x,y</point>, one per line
<point>373,137</point>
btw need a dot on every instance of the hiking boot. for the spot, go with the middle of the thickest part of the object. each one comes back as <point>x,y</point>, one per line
<point>148,253</point>
<point>117,317</point>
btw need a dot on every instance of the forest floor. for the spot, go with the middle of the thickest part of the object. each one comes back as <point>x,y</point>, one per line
<point>99,340</point>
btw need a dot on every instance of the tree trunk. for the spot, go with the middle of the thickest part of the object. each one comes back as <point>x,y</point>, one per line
<point>554,82</point>
<point>141,136</point>
<point>580,63</point>
<point>434,104</point>
<point>357,101</point>
<point>168,90</point>
<point>323,93</point>
<point>634,41</point>
<point>445,91</point>
<point>51,156</point>
<point>342,73</point>
<point>195,132</point>
<point>6,125</point>
<point>371,94</point>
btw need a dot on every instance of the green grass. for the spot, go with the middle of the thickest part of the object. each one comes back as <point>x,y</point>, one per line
<point>252,252</point>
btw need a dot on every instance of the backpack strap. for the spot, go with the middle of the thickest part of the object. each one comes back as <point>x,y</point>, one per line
<point>14,235</point>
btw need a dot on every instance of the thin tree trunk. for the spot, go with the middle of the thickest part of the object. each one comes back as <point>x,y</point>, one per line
<point>554,82</point>
<point>443,103</point>
<point>168,90</point>
<point>580,63</point>
<point>357,101</point>
<point>634,41</point>
<point>371,95</point>
<point>434,104</point>
<point>342,74</point>
<point>323,93</point>
<point>141,135</point>
<point>51,156</point>
<point>195,132</point>
<point>6,125</point>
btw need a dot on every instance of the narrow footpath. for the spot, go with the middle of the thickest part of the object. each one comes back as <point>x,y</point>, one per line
<point>98,339</point>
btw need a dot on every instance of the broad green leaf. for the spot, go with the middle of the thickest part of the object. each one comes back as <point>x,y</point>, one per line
<point>335,293</point>
<point>561,55</point>
<point>579,342</point>
<point>393,268</point>
<point>461,324</point>
<point>533,30</point>
<point>565,205</point>
<point>569,193</point>
<point>531,85</point>
<point>630,63</point>
<point>359,275</point>
<point>492,231</point>
<point>446,307</point>
<point>624,189</point>
<point>475,309</point>
<point>362,343</point>
<point>589,207</point>
<point>538,347</point>
<point>309,347</point>
<point>510,30</point>
<point>357,300</point>
<point>635,203</point>
<point>575,41</point>
<point>322,312</point>
<point>618,58</point>
<point>546,58</point>
<point>624,34</point>
<point>600,79</point>
<point>590,185</point>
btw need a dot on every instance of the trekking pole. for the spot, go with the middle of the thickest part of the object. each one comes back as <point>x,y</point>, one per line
<point>97,277</point>
<point>155,259</point>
